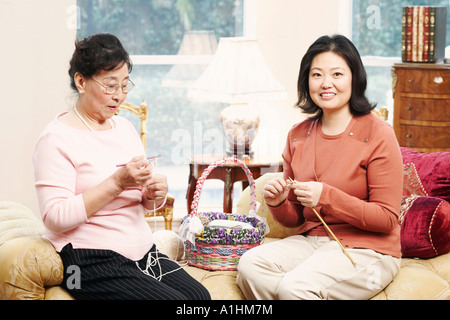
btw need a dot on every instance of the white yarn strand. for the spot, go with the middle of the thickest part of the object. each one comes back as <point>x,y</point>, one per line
<point>153,261</point>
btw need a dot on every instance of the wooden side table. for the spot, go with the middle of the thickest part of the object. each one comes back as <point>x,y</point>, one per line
<point>229,173</point>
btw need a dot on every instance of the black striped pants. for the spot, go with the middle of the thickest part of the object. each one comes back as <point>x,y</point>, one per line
<point>105,274</point>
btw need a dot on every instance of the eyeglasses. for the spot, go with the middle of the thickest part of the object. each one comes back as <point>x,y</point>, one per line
<point>114,88</point>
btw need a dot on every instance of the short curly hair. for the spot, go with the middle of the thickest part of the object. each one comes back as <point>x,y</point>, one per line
<point>359,104</point>
<point>96,53</point>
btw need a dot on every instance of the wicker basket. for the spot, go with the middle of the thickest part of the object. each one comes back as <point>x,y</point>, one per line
<point>220,247</point>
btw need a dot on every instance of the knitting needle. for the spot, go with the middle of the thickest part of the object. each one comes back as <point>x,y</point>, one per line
<point>329,230</point>
<point>149,159</point>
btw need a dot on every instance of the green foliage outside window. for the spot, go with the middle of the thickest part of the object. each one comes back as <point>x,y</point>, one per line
<point>156,27</point>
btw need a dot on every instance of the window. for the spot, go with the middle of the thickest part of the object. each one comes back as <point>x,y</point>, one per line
<point>376,32</point>
<point>152,32</point>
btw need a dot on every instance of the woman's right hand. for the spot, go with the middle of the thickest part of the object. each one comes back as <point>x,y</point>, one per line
<point>135,174</point>
<point>275,192</point>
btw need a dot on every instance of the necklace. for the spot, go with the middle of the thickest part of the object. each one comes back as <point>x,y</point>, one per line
<point>84,121</point>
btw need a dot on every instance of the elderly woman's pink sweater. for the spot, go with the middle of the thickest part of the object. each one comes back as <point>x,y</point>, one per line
<point>68,162</point>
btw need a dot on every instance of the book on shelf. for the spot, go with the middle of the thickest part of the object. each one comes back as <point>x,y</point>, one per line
<point>424,33</point>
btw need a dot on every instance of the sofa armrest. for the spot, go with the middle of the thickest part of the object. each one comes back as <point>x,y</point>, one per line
<point>57,293</point>
<point>27,266</point>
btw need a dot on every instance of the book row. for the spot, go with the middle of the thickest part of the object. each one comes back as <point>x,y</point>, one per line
<point>423,33</point>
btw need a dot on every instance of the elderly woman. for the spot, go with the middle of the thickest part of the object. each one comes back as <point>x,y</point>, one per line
<point>345,164</point>
<point>93,211</point>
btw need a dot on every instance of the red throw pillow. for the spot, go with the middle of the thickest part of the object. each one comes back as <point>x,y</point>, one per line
<point>425,227</point>
<point>432,173</point>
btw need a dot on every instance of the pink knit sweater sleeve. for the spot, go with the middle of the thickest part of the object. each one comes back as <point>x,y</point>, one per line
<point>60,208</point>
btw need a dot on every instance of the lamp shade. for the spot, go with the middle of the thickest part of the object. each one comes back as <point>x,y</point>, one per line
<point>200,42</point>
<point>237,74</point>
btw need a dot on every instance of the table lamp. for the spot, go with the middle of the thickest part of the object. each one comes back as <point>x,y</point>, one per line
<point>238,75</point>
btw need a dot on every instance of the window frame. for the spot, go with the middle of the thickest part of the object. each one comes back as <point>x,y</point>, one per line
<point>345,28</point>
<point>249,30</point>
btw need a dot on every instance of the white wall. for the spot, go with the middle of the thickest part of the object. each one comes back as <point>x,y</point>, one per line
<point>285,29</point>
<point>37,44</point>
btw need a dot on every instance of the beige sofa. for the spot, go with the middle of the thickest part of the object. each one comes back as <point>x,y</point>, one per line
<point>418,279</point>
<point>30,268</point>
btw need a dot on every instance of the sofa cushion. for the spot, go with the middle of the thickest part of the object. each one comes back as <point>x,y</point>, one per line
<point>420,280</point>
<point>18,221</point>
<point>425,210</point>
<point>432,170</point>
<point>169,243</point>
<point>425,231</point>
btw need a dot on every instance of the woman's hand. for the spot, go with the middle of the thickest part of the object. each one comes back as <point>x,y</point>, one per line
<point>156,190</point>
<point>137,173</point>
<point>275,192</point>
<point>308,193</point>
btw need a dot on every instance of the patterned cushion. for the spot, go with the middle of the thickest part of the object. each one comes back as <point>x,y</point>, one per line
<point>425,210</point>
<point>27,266</point>
<point>28,263</point>
<point>433,171</point>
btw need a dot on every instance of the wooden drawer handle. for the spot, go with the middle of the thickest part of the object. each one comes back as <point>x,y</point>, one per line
<point>409,108</point>
<point>438,80</point>
<point>409,135</point>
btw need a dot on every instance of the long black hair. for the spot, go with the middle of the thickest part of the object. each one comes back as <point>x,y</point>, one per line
<point>359,104</point>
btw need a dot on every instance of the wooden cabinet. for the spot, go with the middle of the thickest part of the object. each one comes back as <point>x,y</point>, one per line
<point>422,106</point>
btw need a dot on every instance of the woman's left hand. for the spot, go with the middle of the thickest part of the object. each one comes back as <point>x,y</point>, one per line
<point>156,189</point>
<point>308,193</point>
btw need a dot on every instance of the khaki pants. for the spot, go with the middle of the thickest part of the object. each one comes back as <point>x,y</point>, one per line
<point>300,267</point>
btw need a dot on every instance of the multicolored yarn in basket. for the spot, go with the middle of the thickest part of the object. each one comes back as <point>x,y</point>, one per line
<point>219,247</point>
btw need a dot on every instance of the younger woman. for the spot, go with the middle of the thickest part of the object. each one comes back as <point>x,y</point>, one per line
<point>346,164</point>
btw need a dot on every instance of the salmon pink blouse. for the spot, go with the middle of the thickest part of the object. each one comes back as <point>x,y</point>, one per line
<point>362,175</point>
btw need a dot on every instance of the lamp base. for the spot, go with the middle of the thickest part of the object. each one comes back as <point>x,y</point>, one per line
<point>240,124</point>
<point>241,153</point>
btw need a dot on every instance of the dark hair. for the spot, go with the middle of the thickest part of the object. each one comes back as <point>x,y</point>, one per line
<point>359,104</point>
<point>96,53</point>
